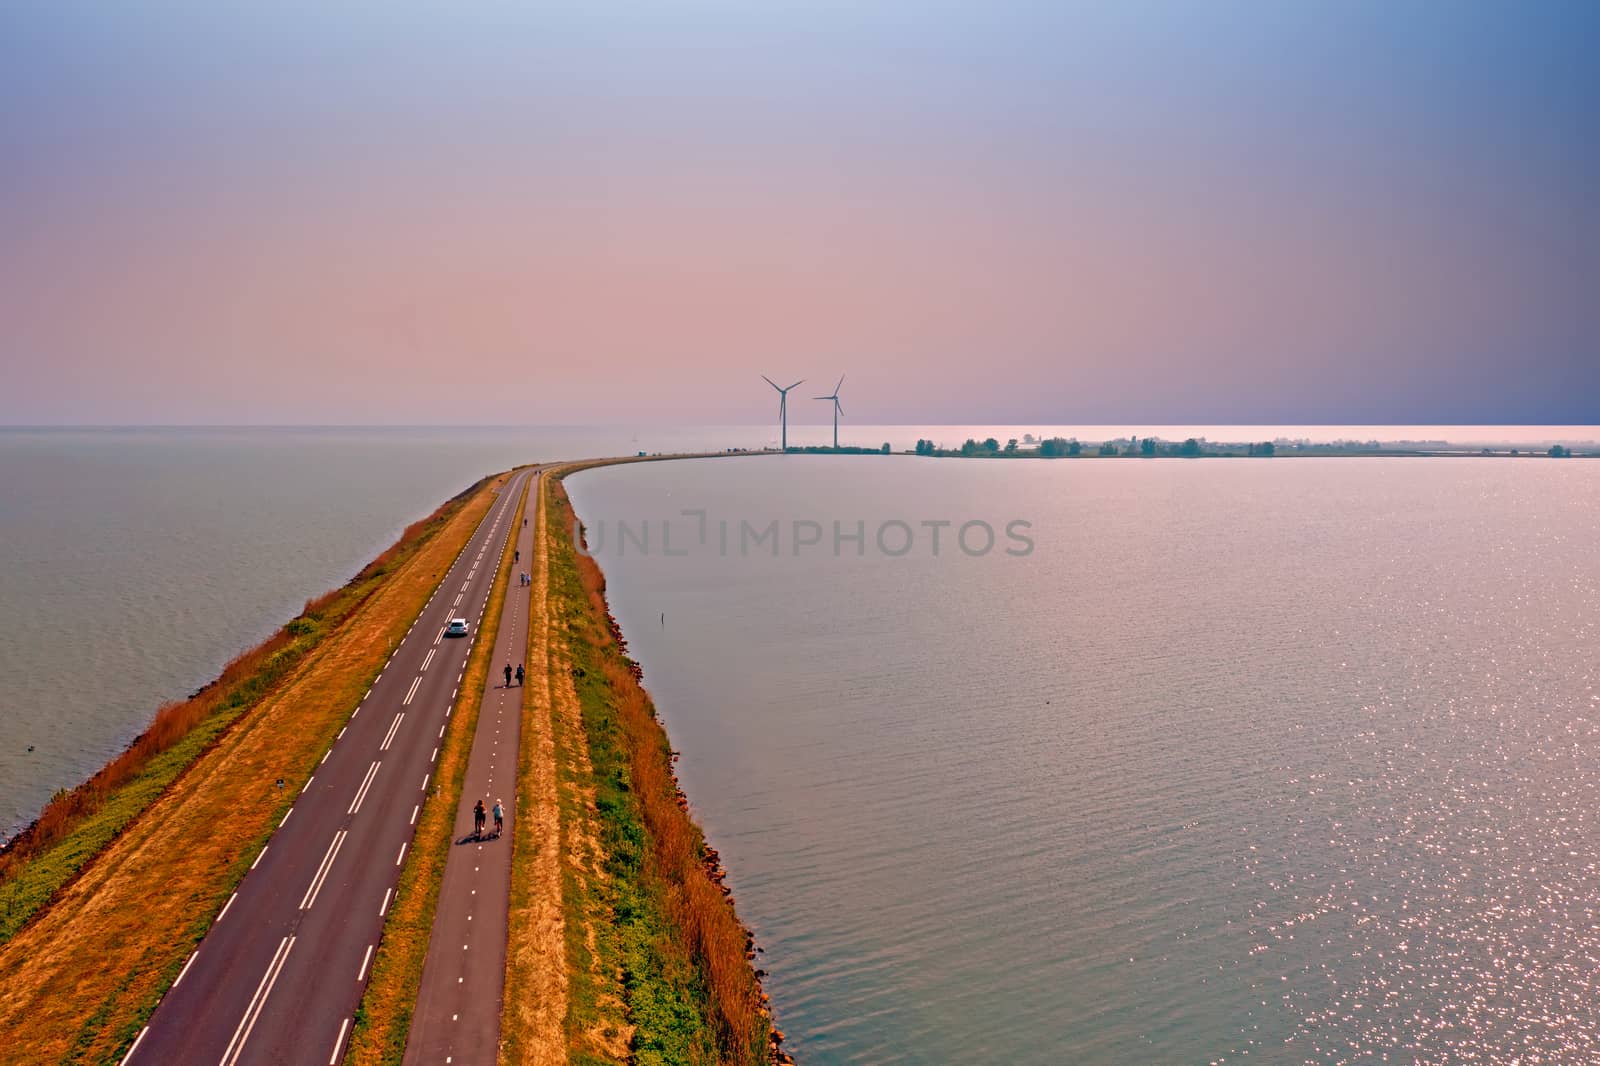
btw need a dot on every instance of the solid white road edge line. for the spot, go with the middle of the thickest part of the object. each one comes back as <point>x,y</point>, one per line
<point>338,1042</point>
<point>136,1042</point>
<point>185,969</point>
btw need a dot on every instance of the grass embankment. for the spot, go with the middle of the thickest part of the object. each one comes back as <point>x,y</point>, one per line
<point>384,1018</point>
<point>658,963</point>
<point>77,823</point>
<point>80,977</point>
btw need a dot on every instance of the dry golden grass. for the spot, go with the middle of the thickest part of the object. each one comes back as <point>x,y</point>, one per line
<point>599,1027</point>
<point>679,868</point>
<point>78,982</point>
<point>384,1018</point>
<point>241,683</point>
<point>172,722</point>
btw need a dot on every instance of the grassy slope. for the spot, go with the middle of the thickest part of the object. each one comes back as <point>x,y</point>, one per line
<point>78,823</point>
<point>78,981</point>
<point>384,1017</point>
<point>667,952</point>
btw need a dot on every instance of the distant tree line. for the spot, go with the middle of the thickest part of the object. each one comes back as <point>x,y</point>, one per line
<point>1152,447</point>
<point>1070,447</point>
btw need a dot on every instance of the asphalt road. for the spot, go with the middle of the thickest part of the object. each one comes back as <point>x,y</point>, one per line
<point>278,976</point>
<point>457,1019</point>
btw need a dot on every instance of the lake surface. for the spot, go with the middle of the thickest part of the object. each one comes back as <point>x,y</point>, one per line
<point>134,563</point>
<point>1283,761</point>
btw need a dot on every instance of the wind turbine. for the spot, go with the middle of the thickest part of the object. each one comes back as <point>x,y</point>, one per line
<point>783,406</point>
<point>837,410</point>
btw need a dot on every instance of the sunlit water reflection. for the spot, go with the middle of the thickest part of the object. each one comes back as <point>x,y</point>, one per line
<point>1267,761</point>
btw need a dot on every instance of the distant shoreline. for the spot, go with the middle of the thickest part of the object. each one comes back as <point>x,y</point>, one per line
<point>1190,448</point>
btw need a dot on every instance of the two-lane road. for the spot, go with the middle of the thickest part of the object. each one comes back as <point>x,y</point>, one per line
<point>278,976</point>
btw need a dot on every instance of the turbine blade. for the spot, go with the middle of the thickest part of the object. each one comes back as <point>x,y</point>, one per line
<point>836,387</point>
<point>837,406</point>
<point>802,381</point>
<point>769,381</point>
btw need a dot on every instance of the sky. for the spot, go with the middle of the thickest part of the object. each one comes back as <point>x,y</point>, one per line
<point>1056,212</point>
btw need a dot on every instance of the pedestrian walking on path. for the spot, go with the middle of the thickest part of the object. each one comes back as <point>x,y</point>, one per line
<point>508,675</point>
<point>499,816</point>
<point>519,675</point>
<point>478,819</point>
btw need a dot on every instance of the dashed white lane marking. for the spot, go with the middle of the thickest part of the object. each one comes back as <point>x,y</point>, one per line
<point>257,1001</point>
<point>140,1039</point>
<point>429,660</point>
<point>425,781</point>
<point>458,601</point>
<point>384,906</point>
<point>225,907</point>
<point>414,811</point>
<point>412,693</point>
<point>325,756</point>
<point>258,857</point>
<point>340,736</point>
<point>185,969</point>
<point>398,859</point>
<point>389,739</point>
<point>321,876</point>
<point>286,816</point>
<point>364,960</point>
<point>338,1042</point>
<point>441,732</point>
<point>361,793</point>
<point>307,785</point>
<point>434,756</point>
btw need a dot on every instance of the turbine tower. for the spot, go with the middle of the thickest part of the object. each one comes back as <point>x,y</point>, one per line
<point>783,407</point>
<point>837,410</point>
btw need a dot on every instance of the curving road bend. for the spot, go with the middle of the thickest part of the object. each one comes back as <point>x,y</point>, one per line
<point>280,973</point>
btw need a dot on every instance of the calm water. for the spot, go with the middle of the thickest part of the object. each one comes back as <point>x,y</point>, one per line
<point>1271,761</point>
<point>135,563</point>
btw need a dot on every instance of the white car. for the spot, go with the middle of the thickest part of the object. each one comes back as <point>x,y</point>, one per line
<point>456,628</point>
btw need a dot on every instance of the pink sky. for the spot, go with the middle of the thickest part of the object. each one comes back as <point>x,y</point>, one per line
<point>464,230</point>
